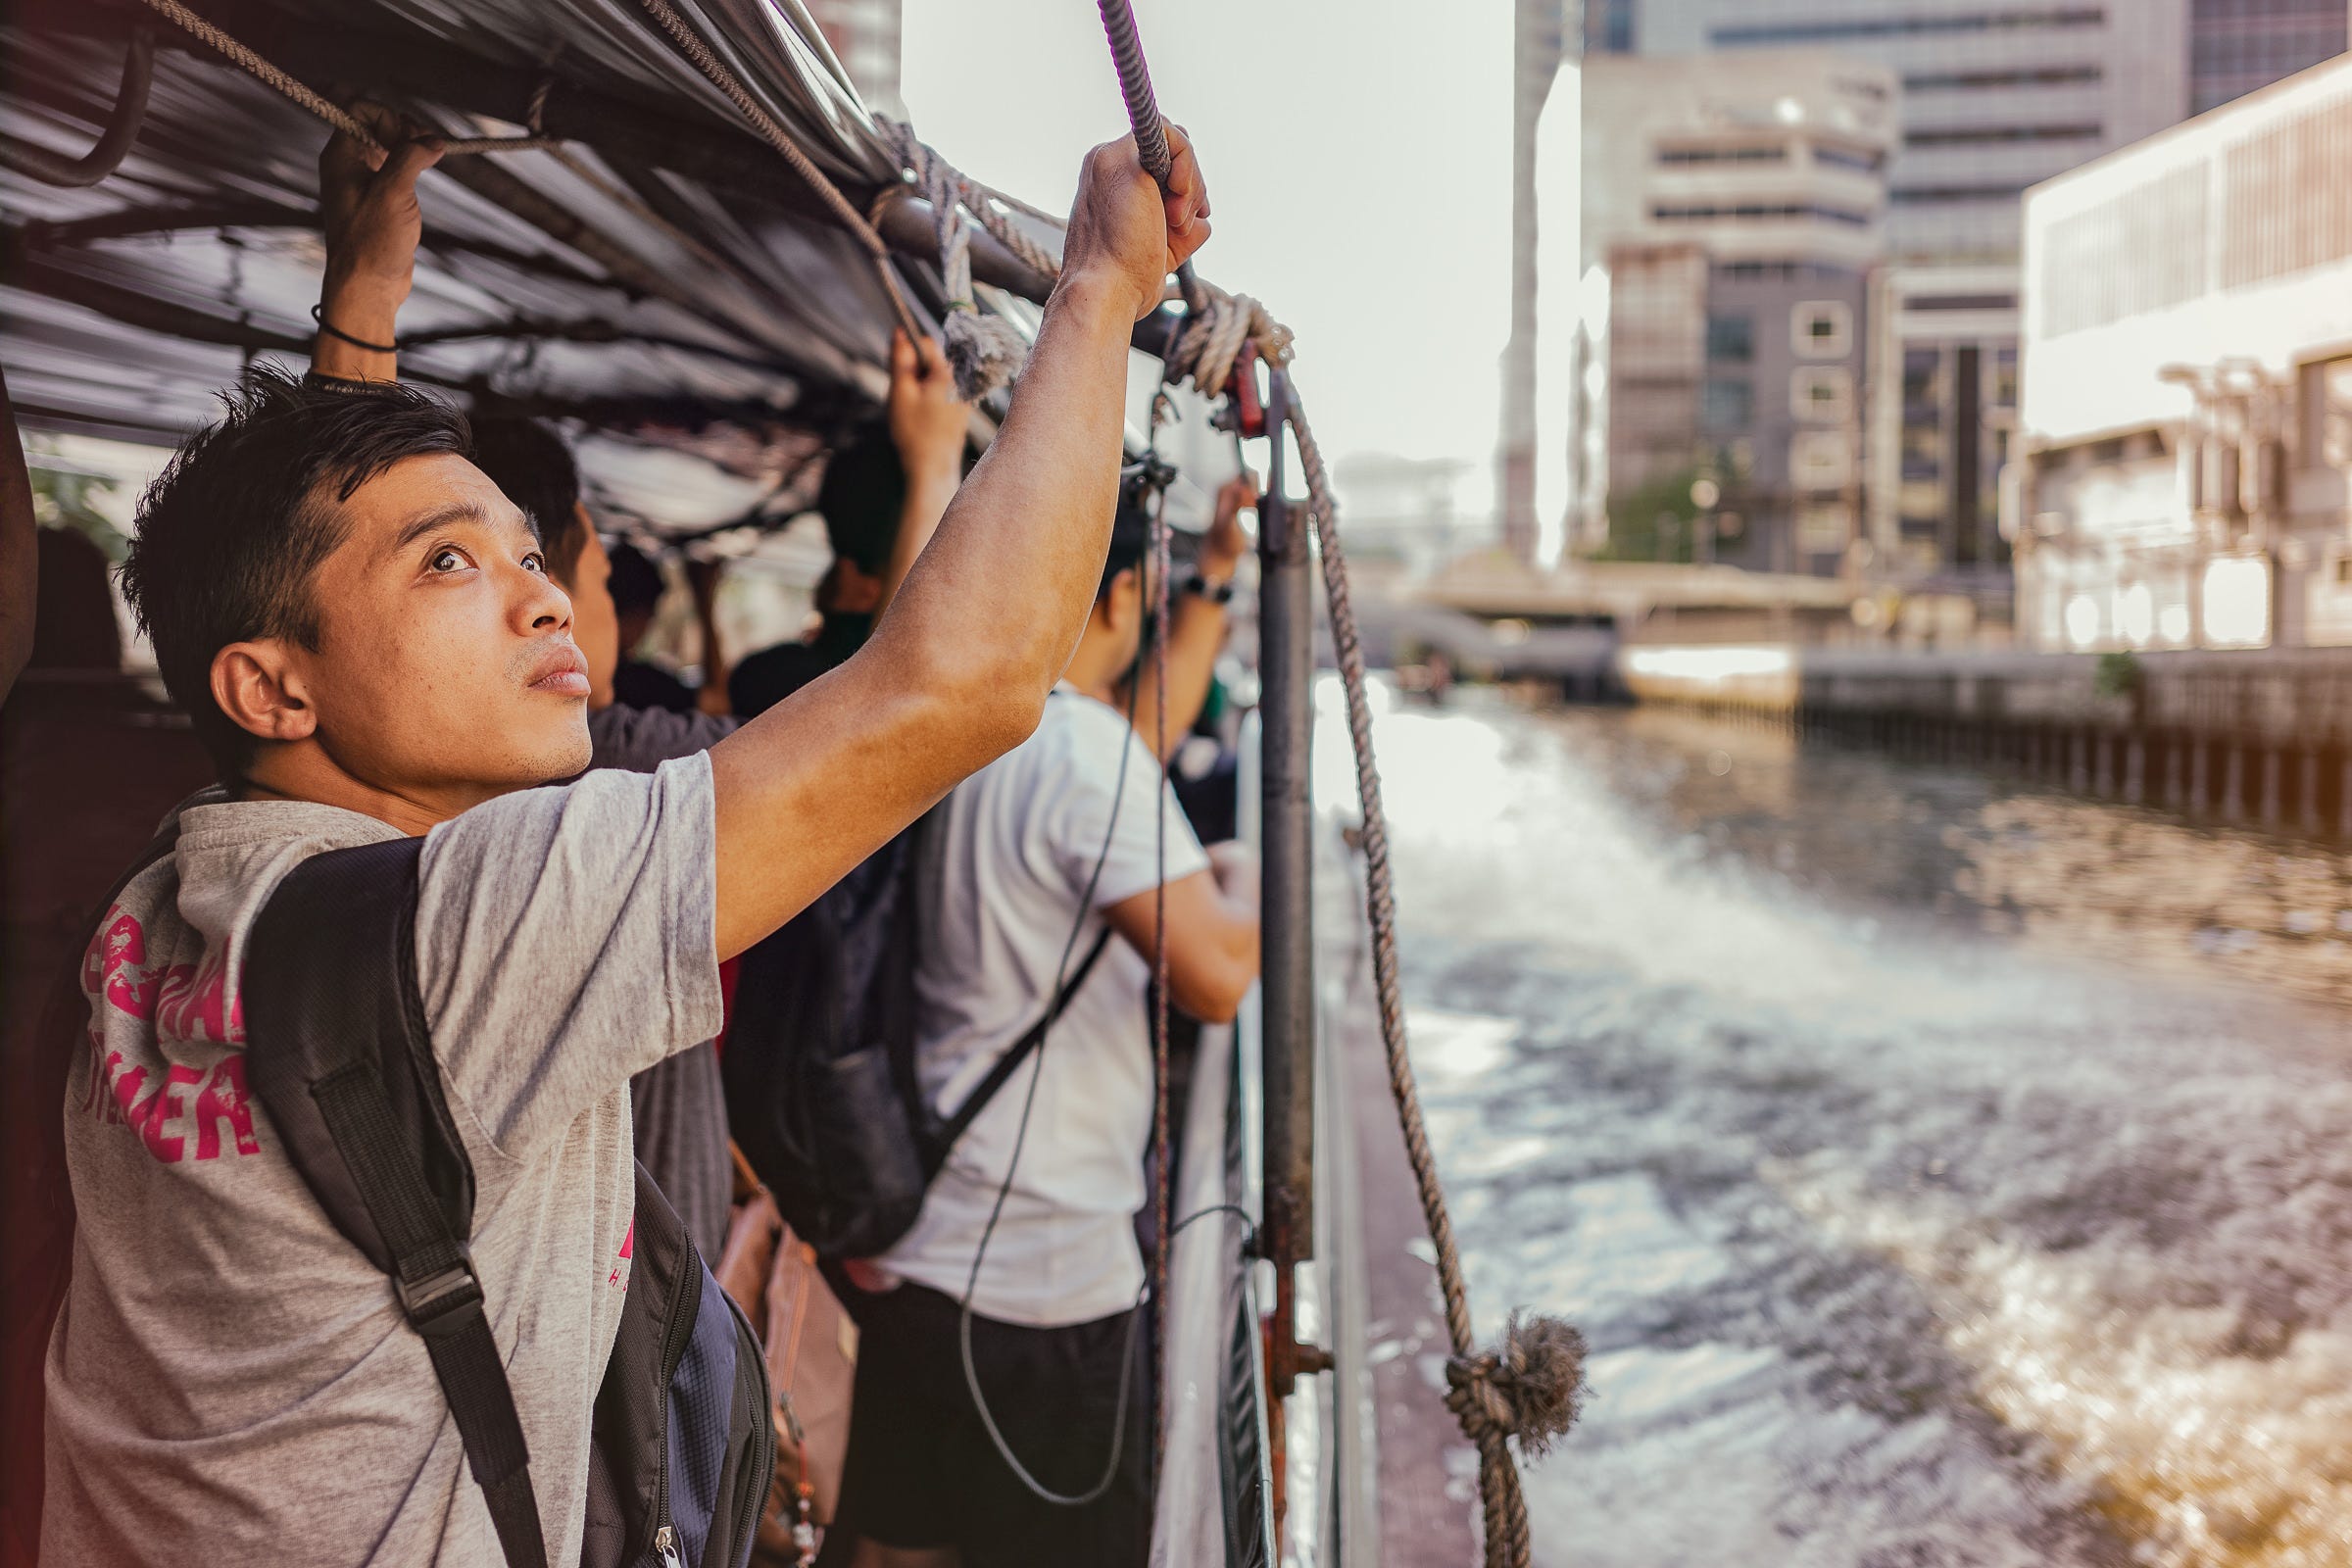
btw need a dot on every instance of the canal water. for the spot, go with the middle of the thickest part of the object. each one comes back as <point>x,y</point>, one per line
<point>1944,1171</point>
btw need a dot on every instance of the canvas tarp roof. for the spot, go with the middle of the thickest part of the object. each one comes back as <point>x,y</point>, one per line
<point>663,277</point>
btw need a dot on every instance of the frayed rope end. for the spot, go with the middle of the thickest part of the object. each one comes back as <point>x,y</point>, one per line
<point>1531,1387</point>
<point>986,352</point>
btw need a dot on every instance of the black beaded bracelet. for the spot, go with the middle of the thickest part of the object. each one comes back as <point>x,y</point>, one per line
<point>318,315</point>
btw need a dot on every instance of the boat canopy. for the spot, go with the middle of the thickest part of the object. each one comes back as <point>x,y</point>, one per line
<point>654,273</point>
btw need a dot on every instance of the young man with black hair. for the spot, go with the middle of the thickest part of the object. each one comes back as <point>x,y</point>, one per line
<point>883,492</point>
<point>635,582</point>
<point>364,634</point>
<point>1045,849</point>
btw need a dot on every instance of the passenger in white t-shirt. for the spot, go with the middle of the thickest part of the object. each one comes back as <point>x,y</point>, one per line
<point>1045,848</point>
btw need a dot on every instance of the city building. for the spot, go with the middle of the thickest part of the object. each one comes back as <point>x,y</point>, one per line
<point>1538,45</point>
<point>1408,511</point>
<point>1735,204</point>
<point>2187,407</point>
<point>865,38</point>
<point>2236,46</point>
<point>1993,96</point>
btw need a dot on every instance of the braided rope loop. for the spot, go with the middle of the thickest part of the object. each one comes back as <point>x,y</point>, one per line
<point>985,351</point>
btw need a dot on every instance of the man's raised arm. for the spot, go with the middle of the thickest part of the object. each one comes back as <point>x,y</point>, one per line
<point>368,208</point>
<point>957,673</point>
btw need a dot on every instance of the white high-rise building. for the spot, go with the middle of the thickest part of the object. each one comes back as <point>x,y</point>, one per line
<point>2186,476</point>
<point>1993,96</point>
<point>1539,43</point>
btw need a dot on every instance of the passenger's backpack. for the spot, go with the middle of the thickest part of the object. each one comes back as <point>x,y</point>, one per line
<point>338,1050</point>
<point>819,1059</point>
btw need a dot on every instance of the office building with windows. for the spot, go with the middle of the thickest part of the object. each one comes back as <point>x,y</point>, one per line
<point>2236,46</point>
<point>2186,412</point>
<point>1736,207</point>
<point>1993,96</point>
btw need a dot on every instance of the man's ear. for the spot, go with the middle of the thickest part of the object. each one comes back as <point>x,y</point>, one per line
<point>1123,606</point>
<point>257,686</point>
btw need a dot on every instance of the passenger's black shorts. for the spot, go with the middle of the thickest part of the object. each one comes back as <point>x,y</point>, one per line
<point>922,1472</point>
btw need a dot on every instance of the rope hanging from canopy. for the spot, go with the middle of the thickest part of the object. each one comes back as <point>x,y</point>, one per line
<point>1529,1384</point>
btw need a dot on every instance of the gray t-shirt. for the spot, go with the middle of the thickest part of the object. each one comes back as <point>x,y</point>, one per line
<point>230,1379</point>
<point>680,1104</point>
<point>641,739</point>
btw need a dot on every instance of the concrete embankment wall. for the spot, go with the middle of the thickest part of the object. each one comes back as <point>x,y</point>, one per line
<point>2259,735</point>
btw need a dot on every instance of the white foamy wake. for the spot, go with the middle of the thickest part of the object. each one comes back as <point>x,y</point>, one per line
<point>1894,1247</point>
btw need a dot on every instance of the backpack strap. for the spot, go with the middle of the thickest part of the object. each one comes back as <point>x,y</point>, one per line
<point>338,1050</point>
<point>943,1142</point>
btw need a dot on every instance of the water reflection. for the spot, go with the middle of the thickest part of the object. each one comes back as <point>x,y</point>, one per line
<point>1931,1182</point>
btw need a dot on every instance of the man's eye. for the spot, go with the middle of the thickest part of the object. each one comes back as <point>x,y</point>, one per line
<point>535,562</point>
<point>446,559</point>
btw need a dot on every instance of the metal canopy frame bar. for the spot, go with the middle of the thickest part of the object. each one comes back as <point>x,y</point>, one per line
<point>121,127</point>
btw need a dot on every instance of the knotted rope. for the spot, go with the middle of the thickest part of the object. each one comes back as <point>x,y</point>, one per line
<point>1215,330</point>
<point>985,351</point>
<point>318,104</point>
<point>1529,1387</point>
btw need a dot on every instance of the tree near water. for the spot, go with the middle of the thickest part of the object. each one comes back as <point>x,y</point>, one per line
<point>1635,518</point>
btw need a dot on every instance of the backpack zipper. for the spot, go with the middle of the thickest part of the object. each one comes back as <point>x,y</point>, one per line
<point>675,1336</point>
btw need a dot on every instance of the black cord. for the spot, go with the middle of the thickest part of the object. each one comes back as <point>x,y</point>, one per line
<point>318,315</point>
<point>1020,1139</point>
<point>1249,1224</point>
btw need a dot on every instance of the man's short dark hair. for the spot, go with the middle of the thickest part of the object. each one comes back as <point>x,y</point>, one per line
<point>636,583</point>
<point>231,533</point>
<point>861,496</point>
<point>530,462</point>
<point>1130,540</point>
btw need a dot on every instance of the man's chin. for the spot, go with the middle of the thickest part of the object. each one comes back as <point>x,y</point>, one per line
<point>569,754</point>
<point>556,754</point>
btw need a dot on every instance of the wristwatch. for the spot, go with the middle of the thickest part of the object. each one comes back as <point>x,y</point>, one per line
<point>1217,593</point>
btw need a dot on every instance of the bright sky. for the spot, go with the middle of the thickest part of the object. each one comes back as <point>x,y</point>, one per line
<point>1359,158</point>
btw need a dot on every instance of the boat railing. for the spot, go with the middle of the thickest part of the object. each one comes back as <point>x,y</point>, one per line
<point>1291,1480</point>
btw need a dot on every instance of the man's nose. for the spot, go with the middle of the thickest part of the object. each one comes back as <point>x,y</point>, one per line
<point>541,604</point>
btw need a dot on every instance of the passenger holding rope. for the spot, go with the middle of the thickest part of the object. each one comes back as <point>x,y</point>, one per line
<point>883,493</point>
<point>1029,1228</point>
<point>364,634</point>
<point>679,1106</point>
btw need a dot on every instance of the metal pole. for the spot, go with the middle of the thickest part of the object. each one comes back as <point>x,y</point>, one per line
<point>1285,666</point>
